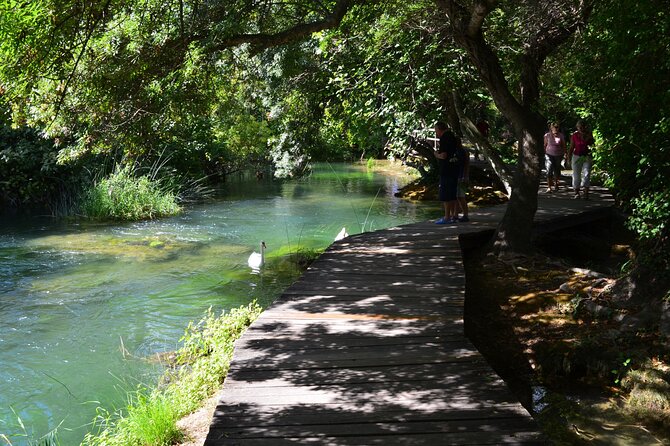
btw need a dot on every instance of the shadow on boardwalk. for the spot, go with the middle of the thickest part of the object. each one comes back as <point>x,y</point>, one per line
<point>368,347</point>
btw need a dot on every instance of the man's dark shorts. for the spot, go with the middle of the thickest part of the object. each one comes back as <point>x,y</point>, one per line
<point>448,188</point>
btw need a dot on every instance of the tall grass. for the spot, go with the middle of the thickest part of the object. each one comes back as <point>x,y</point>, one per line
<point>125,196</point>
<point>200,367</point>
<point>48,439</point>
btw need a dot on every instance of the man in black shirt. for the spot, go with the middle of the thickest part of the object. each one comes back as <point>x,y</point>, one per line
<point>450,162</point>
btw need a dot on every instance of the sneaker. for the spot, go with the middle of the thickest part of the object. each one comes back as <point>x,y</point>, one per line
<point>464,218</point>
<point>576,196</point>
<point>443,221</point>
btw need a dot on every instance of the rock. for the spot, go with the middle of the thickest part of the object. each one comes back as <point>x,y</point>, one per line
<point>599,283</point>
<point>645,319</point>
<point>566,288</point>
<point>594,309</point>
<point>588,273</point>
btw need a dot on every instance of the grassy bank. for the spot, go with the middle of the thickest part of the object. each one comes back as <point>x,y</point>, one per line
<point>127,196</point>
<point>198,369</point>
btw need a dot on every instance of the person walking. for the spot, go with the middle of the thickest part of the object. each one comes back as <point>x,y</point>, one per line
<point>580,153</point>
<point>555,151</point>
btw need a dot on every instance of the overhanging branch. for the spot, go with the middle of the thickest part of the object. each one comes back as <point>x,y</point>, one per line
<point>261,41</point>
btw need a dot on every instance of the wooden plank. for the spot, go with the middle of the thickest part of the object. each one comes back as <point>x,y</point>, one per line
<point>525,438</point>
<point>459,427</point>
<point>391,306</point>
<point>440,352</point>
<point>367,347</point>
<point>452,373</point>
<point>306,415</point>
<point>340,358</point>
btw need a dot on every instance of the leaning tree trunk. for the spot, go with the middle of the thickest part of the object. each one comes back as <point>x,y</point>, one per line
<point>514,233</point>
<point>469,129</point>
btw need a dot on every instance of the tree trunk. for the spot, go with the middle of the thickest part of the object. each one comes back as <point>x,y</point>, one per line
<point>516,227</point>
<point>515,230</point>
<point>466,21</point>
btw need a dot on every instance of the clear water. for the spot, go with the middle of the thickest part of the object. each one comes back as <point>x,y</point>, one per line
<point>83,307</point>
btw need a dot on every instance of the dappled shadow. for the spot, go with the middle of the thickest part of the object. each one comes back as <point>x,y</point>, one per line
<point>368,348</point>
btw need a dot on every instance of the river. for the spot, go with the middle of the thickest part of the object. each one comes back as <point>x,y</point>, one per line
<point>83,306</point>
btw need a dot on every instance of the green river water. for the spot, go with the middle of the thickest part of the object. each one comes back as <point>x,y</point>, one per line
<point>82,306</point>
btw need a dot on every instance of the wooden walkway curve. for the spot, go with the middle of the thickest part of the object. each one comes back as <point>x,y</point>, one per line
<point>368,347</point>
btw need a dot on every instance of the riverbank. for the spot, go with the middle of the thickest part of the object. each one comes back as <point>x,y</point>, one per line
<point>157,416</point>
<point>543,323</point>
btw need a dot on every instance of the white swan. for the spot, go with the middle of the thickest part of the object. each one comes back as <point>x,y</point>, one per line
<point>343,233</point>
<point>256,260</point>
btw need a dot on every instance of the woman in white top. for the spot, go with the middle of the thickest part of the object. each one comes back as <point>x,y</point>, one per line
<point>554,149</point>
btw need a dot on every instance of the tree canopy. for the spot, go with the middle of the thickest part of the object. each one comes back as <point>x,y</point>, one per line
<point>207,88</point>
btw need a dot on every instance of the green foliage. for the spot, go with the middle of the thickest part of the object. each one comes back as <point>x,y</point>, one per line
<point>390,71</point>
<point>207,349</point>
<point>625,50</point>
<point>30,173</point>
<point>48,439</point>
<point>201,366</point>
<point>123,196</point>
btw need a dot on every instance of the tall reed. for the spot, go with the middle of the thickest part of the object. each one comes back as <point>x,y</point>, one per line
<point>125,196</point>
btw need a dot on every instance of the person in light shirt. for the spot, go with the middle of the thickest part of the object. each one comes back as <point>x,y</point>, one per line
<point>555,151</point>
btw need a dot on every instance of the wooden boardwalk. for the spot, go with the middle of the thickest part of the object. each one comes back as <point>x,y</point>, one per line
<point>368,348</point>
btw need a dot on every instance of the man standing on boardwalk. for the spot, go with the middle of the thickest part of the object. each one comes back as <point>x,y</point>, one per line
<point>450,162</point>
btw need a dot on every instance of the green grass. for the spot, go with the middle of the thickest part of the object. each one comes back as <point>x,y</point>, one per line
<point>201,364</point>
<point>124,196</point>
<point>49,439</point>
<point>649,393</point>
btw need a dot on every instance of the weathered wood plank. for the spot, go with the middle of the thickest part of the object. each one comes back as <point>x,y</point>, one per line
<point>415,439</point>
<point>367,348</point>
<point>442,373</point>
<point>460,427</point>
<point>334,357</point>
<point>306,415</point>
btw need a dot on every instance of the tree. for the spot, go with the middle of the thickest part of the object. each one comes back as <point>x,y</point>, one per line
<point>625,92</point>
<point>548,25</point>
<point>174,47</point>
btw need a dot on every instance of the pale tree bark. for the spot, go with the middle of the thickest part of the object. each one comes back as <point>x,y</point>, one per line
<point>466,19</point>
<point>471,131</point>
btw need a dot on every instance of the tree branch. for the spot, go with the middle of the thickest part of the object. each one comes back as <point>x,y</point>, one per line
<point>466,28</point>
<point>261,41</point>
<point>84,47</point>
<point>480,10</point>
<point>545,41</point>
